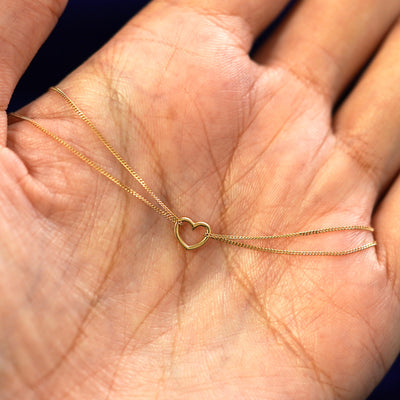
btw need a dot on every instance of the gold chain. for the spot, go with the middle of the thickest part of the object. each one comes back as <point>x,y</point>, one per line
<point>224,239</point>
<point>161,208</point>
<point>295,234</point>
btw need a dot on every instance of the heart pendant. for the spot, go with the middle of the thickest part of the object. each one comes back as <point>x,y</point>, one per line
<point>194,226</point>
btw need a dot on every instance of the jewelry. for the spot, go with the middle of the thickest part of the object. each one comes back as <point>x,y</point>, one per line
<point>157,205</point>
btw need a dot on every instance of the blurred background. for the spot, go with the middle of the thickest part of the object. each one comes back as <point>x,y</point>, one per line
<point>84,27</point>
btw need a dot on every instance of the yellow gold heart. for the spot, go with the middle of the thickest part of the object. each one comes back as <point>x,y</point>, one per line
<point>194,226</point>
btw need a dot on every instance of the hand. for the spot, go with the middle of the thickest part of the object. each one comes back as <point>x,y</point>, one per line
<point>99,301</point>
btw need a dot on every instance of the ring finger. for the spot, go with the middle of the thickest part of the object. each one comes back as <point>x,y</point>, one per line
<point>368,123</point>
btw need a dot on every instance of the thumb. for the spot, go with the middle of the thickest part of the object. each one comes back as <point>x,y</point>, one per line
<point>24,26</point>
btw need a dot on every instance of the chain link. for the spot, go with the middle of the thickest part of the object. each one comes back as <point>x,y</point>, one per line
<point>294,234</point>
<point>166,212</point>
<point>225,239</point>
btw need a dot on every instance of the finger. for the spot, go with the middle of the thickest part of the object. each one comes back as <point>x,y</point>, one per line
<point>387,223</point>
<point>24,25</point>
<point>325,43</point>
<point>368,124</point>
<point>256,14</point>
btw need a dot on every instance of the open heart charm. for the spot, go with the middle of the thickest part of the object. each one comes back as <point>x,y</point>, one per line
<point>194,226</point>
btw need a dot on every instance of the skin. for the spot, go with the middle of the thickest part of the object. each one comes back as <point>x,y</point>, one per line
<point>98,300</point>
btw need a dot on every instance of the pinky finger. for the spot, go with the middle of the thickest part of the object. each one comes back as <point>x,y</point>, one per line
<point>387,223</point>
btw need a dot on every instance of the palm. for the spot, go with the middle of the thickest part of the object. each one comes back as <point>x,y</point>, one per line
<point>115,304</point>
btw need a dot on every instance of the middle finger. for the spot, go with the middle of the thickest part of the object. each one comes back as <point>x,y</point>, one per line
<point>326,42</point>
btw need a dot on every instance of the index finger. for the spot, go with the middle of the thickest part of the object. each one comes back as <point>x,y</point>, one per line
<point>253,16</point>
